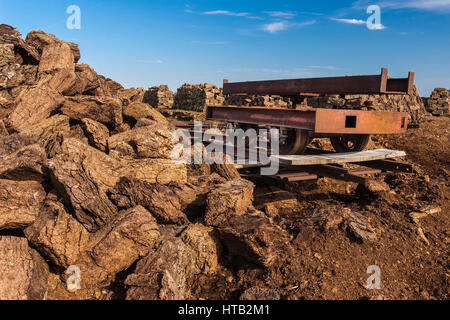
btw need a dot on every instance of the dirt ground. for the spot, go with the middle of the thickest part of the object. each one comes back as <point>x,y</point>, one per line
<point>413,257</point>
<point>333,264</point>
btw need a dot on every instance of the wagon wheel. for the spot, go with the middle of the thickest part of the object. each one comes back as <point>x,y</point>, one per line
<point>350,143</point>
<point>293,141</point>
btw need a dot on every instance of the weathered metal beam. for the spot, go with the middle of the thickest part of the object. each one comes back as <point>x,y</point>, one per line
<point>389,165</point>
<point>401,86</point>
<point>360,122</point>
<point>337,173</point>
<point>324,121</point>
<point>375,84</point>
<point>276,117</point>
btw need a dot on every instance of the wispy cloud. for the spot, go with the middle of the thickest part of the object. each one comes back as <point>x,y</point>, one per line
<point>226,13</point>
<point>278,26</point>
<point>187,8</point>
<point>232,14</point>
<point>349,21</point>
<point>275,26</point>
<point>151,61</point>
<point>281,14</point>
<point>271,72</point>
<point>211,42</point>
<point>433,5</point>
<point>379,27</point>
<point>359,22</point>
<point>323,67</point>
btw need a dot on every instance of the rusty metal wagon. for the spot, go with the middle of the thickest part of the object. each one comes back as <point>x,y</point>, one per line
<point>349,130</point>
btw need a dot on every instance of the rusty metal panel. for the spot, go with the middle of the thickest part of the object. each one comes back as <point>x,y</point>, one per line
<point>276,117</point>
<point>331,85</point>
<point>401,86</point>
<point>336,85</point>
<point>323,121</point>
<point>375,84</point>
<point>332,121</point>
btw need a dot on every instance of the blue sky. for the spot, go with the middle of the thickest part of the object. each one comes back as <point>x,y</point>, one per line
<point>146,43</point>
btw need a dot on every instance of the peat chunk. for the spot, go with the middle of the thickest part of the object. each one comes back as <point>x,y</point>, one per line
<point>360,227</point>
<point>330,217</point>
<point>7,55</point>
<point>129,237</point>
<point>20,203</point>
<point>153,141</point>
<point>49,133</point>
<point>55,57</point>
<point>131,95</point>
<point>140,110</point>
<point>9,35</point>
<point>57,235</point>
<point>14,75</point>
<point>227,200</point>
<point>162,171</point>
<point>97,134</point>
<point>84,174</point>
<point>34,105</point>
<point>23,272</point>
<point>102,109</point>
<point>226,169</point>
<point>164,274</point>
<point>205,245</point>
<point>3,130</point>
<point>40,39</point>
<point>12,143</point>
<point>159,199</point>
<point>27,163</point>
<point>254,238</point>
<point>86,81</point>
<point>62,81</point>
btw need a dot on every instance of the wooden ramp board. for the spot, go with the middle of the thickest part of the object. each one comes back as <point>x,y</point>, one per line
<point>337,158</point>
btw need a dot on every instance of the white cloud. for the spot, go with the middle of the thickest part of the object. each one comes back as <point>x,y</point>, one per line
<point>275,26</point>
<point>350,21</point>
<point>281,14</point>
<point>278,26</point>
<point>232,14</point>
<point>226,13</point>
<point>360,22</point>
<point>434,5</point>
<point>323,67</point>
<point>379,27</point>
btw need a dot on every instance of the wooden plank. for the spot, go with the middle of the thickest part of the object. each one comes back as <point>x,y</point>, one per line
<point>338,158</point>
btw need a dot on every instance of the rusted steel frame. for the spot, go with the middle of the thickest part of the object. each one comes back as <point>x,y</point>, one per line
<point>291,176</point>
<point>361,171</point>
<point>301,176</point>
<point>335,172</point>
<point>360,122</point>
<point>388,165</point>
<point>401,86</point>
<point>276,117</point>
<point>321,121</point>
<point>374,84</point>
